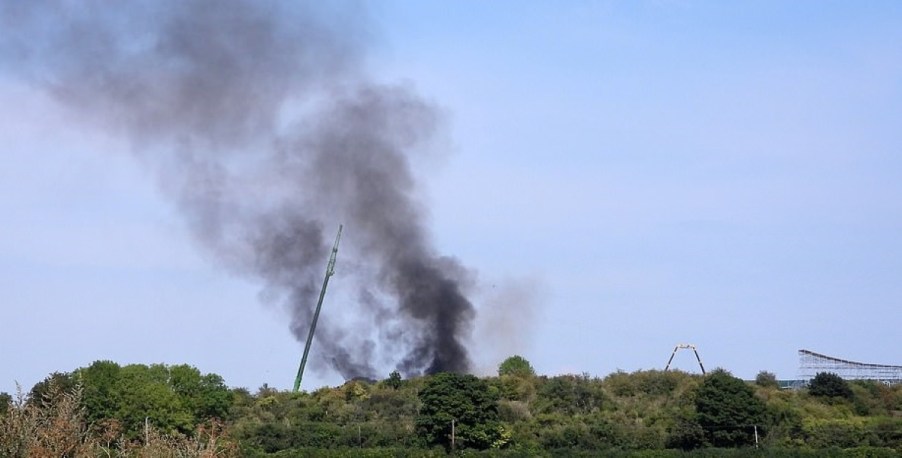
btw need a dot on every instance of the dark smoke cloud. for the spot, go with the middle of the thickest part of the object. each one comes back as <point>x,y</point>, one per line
<point>265,131</point>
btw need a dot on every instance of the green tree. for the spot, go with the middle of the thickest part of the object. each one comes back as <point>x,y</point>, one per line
<point>728,411</point>
<point>516,365</point>
<point>394,380</point>
<point>766,379</point>
<point>206,396</point>
<point>57,382</point>
<point>216,398</point>
<point>143,393</point>
<point>170,398</point>
<point>100,396</point>
<point>465,400</point>
<point>829,385</point>
<point>6,400</point>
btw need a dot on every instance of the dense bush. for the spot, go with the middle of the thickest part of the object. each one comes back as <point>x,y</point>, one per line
<point>766,379</point>
<point>829,385</point>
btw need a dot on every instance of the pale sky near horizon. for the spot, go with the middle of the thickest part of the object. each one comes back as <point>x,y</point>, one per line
<point>727,174</point>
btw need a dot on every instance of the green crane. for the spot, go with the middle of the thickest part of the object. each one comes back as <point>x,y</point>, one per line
<point>330,269</point>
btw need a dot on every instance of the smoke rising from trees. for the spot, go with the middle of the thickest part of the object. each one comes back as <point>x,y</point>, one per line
<point>263,128</point>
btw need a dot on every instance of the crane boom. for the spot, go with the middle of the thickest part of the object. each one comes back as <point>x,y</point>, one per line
<point>330,270</point>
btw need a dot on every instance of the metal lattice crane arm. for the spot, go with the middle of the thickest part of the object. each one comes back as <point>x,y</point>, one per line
<point>330,270</point>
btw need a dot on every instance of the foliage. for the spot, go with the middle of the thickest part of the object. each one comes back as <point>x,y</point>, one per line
<point>829,385</point>
<point>517,366</point>
<point>394,380</point>
<point>728,411</point>
<point>645,413</point>
<point>464,400</point>
<point>6,400</point>
<point>175,399</point>
<point>57,382</point>
<point>99,381</point>
<point>766,379</point>
<point>571,394</point>
<point>646,383</point>
<point>514,388</point>
<point>686,434</point>
<point>49,426</point>
<point>55,426</point>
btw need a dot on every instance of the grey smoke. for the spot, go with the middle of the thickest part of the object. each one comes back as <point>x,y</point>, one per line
<point>263,128</point>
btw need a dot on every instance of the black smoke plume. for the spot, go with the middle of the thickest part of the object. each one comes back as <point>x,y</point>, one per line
<point>264,129</point>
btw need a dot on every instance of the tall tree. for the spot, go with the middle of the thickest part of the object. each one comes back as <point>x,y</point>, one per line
<point>57,382</point>
<point>205,395</point>
<point>516,365</point>
<point>171,398</point>
<point>6,400</point>
<point>394,380</point>
<point>465,400</point>
<point>766,379</point>
<point>728,411</point>
<point>100,383</point>
<point>144,395</point>
<point>829,385</point>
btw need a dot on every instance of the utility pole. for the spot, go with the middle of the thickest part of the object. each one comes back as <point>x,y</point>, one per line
<point>452,435</point>
<point>330,270</point>
<point>756,436</point>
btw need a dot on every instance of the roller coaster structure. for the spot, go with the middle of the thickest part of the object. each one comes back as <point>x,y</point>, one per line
<point>685,347</point>
<point>810,363</point>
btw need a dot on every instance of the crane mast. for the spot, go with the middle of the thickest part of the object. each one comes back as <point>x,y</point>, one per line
<point>330,270</point>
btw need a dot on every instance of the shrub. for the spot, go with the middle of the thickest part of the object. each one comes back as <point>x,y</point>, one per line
<point>829,385</point>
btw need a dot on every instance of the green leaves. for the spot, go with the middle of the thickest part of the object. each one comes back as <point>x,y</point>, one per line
<point>144,393</point>
<point>394,380</point>
<point>465,400</point>
<point>728,411</point>
<point>766,379</point>
<point>526,415</point>
<point>517,366</point>
<point>171,398</point>
<point>829,385</point>
<point>571,394</point>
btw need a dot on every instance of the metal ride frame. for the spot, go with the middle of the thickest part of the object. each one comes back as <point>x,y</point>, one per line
<point>683,347</point>
<point>811,363</point>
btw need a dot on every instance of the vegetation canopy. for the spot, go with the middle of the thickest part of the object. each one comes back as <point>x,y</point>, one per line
<point>107,410</point>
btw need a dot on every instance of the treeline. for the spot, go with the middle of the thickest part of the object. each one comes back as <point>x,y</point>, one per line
<point>137,410</point>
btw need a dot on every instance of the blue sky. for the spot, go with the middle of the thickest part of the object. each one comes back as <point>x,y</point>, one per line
<point>623,176</point>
